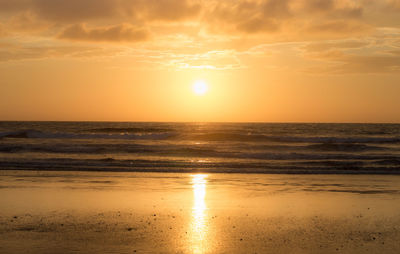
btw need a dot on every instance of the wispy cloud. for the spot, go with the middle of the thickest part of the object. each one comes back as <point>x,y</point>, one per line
<point>117,33</point>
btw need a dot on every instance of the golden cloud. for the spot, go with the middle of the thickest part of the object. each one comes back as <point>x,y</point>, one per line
<point>117,33</point>
<point>340,27</point>
<point>87,10</point>
<point>369,64</point>
<point>199,26</point>
<point>343,44</point>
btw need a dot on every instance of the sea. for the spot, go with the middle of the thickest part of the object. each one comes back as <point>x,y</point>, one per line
<point>270,148</point>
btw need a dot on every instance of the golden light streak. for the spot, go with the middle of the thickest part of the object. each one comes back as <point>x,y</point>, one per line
<point>199,215</point>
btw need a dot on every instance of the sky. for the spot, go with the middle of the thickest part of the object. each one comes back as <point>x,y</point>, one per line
<point>262,60</point>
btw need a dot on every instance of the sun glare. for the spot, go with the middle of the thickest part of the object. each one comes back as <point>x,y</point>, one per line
<point>199,219</point>
<point>200,87</point>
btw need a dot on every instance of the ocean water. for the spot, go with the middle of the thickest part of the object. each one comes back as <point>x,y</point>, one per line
<point>201,147</point>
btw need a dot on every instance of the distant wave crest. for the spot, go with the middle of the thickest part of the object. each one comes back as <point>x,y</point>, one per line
<point>60,135</point>
<point>326,143</point>
<point>291,139</point>
<point>130,130</point>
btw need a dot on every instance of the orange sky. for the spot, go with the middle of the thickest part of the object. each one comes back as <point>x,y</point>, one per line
<point>263,60</point>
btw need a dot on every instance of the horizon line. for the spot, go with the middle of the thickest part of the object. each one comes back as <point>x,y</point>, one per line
<point>217,122</point>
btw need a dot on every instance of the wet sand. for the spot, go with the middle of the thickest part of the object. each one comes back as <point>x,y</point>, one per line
<point>93,212</point>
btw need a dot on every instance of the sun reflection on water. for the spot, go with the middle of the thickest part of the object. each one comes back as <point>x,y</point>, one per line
<point>199,228</point>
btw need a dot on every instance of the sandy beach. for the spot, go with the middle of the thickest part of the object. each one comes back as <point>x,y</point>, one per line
<point>199,126</point>
<point>92,212</point>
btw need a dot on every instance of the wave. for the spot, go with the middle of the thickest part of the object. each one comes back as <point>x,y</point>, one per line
<point>190,152</point>
<point>310,156</point>
<point>291,139</point>
<point>165,150</point>
<point>113,165</point>
<point>315,147</point>
<point>350,147</point>
<point>389,162</point>
<point>130,130</point>
<point>163,134</point>
<point>60,135</point>
<point>78,148</point>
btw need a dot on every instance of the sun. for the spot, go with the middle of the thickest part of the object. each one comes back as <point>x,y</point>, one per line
<point>200,87</point>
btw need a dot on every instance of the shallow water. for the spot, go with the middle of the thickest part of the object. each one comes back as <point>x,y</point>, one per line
<point>92,212</point>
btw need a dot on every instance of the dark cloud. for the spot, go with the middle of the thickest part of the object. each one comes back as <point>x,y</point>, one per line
<point>170,10</point>
<point>86,10</point>
<point>76,10</point>
<point>26,22</point>
<point>117,33</point>
<point>276,8</point>
<point>14,5</point>
<point>393,5</point>
<point>250,16</point>
<point>3,31</point>
<point>319,5</point>
<point>333,8</point>
<point>256,25</point>
<point>273,15</point>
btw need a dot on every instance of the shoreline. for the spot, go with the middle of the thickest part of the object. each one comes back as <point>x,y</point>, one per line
<point>272,172</point>
<point>124,212</point>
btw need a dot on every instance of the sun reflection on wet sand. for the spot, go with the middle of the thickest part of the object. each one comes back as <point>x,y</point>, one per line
<point>199,216</point>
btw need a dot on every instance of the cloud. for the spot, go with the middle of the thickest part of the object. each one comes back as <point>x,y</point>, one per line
<point>333,8</point>
<point>3,31</point>
<point>363,55</point>
<point>88,10</point>
<point>318,5</point>
<point>393,4</point>
<point>284,19</point>
<point>331,50</point>
<point>10,52</point>
<point>117,33</point>
<point>271,16</point>
<point>249,16</point>
<point>14,5</point>
<point>13,52</point>
<point>334,61</point>
<point>338,27</point>
<point>75,10</point>
<point>343,44</point>
<point>26,22</point>
<point>170,10</point>
<point>394,52</point>
<point>369,64</point>
<point>214,60</point>
<point>191,27</point>
<point>221,60</point>
<point>396,43</point>
<point>256,25</point>
<point>358,65</point>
